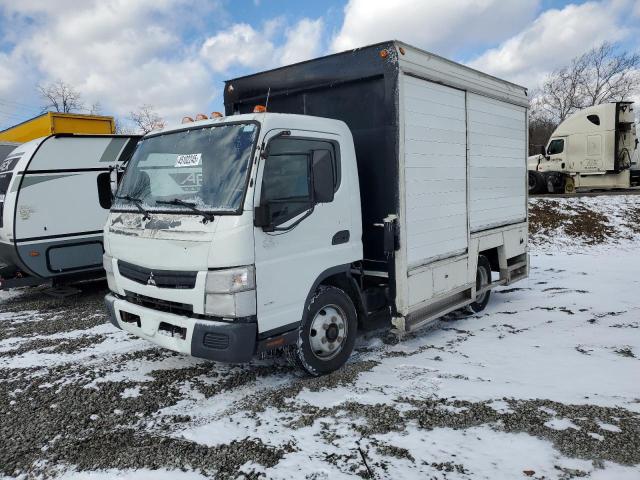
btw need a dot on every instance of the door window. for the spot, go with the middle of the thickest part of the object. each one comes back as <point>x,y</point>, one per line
<point>286,185</point>
<point>556,146</point>
<point>286,180</point>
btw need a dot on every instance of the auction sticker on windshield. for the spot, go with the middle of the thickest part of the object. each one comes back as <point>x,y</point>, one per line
<point>191,160</point>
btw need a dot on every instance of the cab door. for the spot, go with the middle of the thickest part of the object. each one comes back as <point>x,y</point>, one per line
<point>556,154</point>
<point>303,238</point>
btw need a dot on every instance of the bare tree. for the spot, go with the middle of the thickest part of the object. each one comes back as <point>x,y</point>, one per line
<point>60,97</point>
<point>96,109</point>
<point>603,74</point>
<point>121,127</point>
<point>146,119</point>
<point>560,92</point>
<point>609,76</point>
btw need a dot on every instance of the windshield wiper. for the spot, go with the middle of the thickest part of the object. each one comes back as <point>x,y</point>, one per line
<point>208,217</point>
<point>138,203</point>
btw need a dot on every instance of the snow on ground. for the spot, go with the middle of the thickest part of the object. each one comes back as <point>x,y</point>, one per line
<point>545,383</point>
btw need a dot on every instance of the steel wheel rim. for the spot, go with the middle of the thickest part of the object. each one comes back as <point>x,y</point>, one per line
<point>328,332</point>
<point>484,281</point>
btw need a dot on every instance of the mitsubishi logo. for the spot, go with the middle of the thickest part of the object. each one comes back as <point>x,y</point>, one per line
<point>151,280</point>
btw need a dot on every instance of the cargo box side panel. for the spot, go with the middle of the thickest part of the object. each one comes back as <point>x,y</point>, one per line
<point>497,156</point>
<point>435,171</point>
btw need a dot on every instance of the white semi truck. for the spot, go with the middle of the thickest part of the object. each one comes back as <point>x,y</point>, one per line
<point>384,182</point>
<point>595,148</point>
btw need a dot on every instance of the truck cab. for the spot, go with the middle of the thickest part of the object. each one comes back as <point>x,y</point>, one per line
<point>593,148</point>
<point>183,256</point>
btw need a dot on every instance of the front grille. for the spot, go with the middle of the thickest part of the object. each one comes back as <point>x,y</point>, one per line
<point>217,341</point>
<point>159,278</point>
<point>157,304</point>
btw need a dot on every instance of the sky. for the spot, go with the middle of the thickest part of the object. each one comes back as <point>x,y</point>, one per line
<point>176,54</point>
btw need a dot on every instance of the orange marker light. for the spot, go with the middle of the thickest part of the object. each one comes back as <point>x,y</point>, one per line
<point>201,116</point>
<point>401,50</point>
<point>384,54</point>
<point>216,115</point>
<point>33,253</point>
<point>187,119</point>
<point>259,109</point>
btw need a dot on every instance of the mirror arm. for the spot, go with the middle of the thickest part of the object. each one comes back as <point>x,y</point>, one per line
<point>294,224</point>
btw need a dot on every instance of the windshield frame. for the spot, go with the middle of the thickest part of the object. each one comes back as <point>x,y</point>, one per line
<point>184,210</point>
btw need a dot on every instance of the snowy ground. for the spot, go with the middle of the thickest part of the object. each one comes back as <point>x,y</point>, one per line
<point>544,384</point>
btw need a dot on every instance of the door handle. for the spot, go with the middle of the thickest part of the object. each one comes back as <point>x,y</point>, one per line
<point>340,237</point>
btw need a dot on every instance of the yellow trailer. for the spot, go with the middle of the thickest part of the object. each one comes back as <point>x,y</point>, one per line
<point>50,123</point>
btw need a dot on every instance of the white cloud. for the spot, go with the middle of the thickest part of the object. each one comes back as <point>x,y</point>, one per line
<point>303,41</point>
<point>553,39</point>
<point>242,45</point>
<point>119,53</point>
<point>440,26</point>
<point>239,45</point>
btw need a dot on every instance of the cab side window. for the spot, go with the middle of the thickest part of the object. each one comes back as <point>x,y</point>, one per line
<point>555,147</point>
<point>287,177</point>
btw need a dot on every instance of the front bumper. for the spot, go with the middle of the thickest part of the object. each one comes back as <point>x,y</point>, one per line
<point>210,339</point>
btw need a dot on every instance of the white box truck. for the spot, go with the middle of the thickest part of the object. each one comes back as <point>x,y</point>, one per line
<point>595,148</point>
<point>384,182</point>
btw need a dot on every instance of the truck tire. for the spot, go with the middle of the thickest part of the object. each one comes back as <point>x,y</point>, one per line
<point>327,332</point>
<point>483,278</point>
<point>555,183</point>
<point>536,183</point>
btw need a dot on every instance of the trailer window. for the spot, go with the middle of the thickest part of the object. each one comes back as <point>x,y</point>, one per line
<point>555,147</point>
<point>595,119</point>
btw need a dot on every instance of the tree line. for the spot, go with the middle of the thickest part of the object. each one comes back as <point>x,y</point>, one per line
<point>59,96</point>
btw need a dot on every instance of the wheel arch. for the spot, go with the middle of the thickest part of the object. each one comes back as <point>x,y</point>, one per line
<point>340,277</point>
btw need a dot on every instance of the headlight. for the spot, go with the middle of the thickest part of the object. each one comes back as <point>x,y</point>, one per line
<point>107,263</point>
<point>231,280</point>
<point>231,292</point>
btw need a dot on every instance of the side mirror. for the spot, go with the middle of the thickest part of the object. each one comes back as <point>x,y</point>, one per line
<point>543,150</point>
<point>104,190</point>
<point>322,167</point>
<point>262,216</point>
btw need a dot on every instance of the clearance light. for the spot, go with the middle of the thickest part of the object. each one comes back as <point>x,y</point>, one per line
<point>401,50</point>
<point>187,119</point>
<point>201,116</point>
<point>216,115</point>
<point>33,253</point>
<point>384,54</point>
<point>259,109</point>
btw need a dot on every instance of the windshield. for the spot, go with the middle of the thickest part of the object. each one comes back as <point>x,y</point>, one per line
<point>206,167</point>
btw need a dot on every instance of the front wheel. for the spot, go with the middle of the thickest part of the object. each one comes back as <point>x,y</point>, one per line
<point>327,333</point>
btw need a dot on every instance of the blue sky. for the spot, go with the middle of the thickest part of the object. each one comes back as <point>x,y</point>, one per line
<point>175,54</point>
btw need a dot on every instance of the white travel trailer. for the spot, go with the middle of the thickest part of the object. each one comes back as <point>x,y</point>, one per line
<point>384,182</point>
<point>6,148</point>
<point>55,193</point>
<point>595,148</point>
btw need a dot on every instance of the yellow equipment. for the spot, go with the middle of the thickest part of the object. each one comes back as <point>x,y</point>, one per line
<point>54,122</point>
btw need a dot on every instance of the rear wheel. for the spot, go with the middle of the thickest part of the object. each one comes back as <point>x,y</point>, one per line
<point>327,333</point>
<point>483,279</point>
